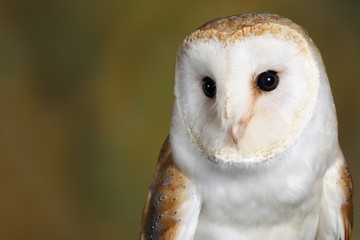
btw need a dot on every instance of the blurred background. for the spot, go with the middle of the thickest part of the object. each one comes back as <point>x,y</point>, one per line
<point>86,93</point>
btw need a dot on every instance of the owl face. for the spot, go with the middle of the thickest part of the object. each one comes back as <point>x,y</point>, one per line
<point>249,97</point>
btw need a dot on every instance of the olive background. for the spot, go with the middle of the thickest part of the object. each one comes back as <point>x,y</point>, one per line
<point>86,94</point>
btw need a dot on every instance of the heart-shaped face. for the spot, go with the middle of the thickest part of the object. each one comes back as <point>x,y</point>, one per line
<point>247,87</point>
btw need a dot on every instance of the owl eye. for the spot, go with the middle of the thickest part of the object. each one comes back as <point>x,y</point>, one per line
<point>267,81</point>
<point>209,87</point>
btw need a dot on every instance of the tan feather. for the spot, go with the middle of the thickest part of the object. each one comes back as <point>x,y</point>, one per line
<point>162,216</point>
<point>230,29</point>
<point>347,207</point>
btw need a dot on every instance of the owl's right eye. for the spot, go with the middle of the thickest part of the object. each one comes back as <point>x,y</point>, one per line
<point>209,87</point>
<point>268,81</point>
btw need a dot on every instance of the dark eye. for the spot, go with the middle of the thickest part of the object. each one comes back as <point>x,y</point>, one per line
<point>267,81</point>
<point>209,87</point>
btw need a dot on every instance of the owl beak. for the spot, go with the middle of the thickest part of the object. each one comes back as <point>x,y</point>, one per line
<point>235,133</point>
<point>238,128</point>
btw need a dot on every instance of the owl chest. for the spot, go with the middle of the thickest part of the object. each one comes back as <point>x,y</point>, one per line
<point>257,209</point>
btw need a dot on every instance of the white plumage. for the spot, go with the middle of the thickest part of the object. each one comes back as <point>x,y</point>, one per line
<point>254,134</point>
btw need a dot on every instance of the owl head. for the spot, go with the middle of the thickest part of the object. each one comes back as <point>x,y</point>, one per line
<point>247,86</point>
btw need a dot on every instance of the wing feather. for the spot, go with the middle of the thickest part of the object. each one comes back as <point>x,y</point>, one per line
<point>172,206</point>
<point>336,218</point>
<point>347,206</point>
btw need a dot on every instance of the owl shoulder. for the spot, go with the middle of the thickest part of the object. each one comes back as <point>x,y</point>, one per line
<point>172,206</point>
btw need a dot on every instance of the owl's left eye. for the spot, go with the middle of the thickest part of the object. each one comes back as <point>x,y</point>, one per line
<point>267,81</point>
<point>209,87</point>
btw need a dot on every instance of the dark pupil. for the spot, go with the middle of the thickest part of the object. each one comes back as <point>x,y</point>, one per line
<point>209,87</point>
<point>268,81</point>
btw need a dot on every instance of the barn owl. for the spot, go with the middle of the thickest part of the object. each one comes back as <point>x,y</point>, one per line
<point>253,149</point>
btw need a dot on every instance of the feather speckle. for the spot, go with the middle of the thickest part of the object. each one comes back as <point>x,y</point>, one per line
<point>162,212</point>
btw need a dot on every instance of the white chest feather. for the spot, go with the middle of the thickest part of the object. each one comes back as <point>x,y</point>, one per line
<point>265,204</point>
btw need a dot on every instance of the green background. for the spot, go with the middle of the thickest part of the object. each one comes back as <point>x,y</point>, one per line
<point>86,93</point>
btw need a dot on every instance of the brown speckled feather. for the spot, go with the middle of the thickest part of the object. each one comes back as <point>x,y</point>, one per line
<point>232,28</point>
<point>347,207</point>
<point>163,212</point>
